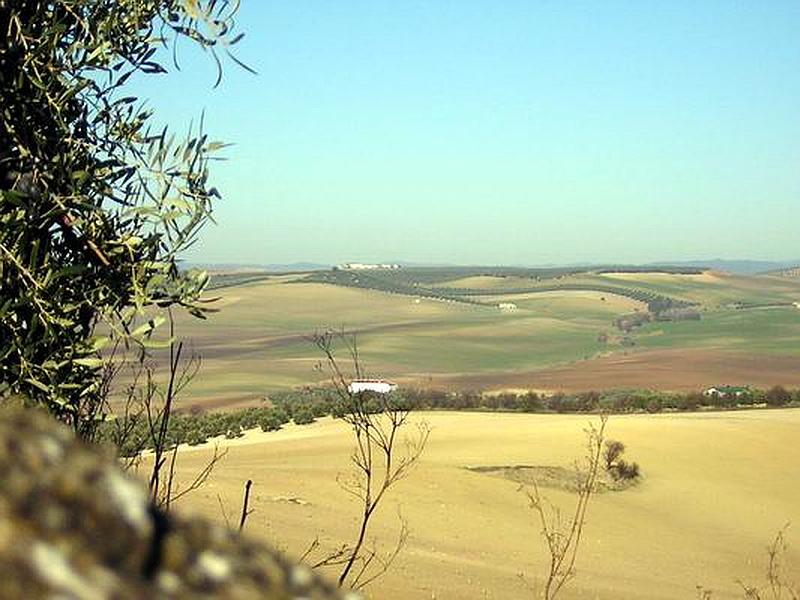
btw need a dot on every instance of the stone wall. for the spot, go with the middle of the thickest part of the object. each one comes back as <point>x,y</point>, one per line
<point>73,525</point>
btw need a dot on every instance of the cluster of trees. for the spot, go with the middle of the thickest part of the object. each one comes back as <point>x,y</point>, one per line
<point>629,321</point>
<point>678,314</point>
<point>615,401</point>
<point>372,281</point>
<point>404,281</point>
<point>305,406</point>
<point>431,276</point>
<point>197,427</point>
<point>656,303</point>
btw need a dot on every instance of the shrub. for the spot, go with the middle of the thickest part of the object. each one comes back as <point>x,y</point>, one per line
<point>491,402</point>
<point>303,416</point>
<point>557,402</point>
<point>654,406</point>
<point>615,465</point>
<point>778,396</point>
<point>270,423</point>
<point>531,402</point>
<point>691,401</point>
<point>612,452</point>
<point>195,438</point>
<point>625,471</point>
<point>234,432</point>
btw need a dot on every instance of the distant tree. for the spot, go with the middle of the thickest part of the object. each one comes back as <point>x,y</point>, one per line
<point>532,402</point>
<point>654,405</point>
<point>778,396</point>
<point>691,401</point>
<point>612,452</point>
<point>270,422</point>
<point>303,416</point>
<point>557,402</point>
<point>96,205</point>
<point>588,401</point>
<point>615,465</point>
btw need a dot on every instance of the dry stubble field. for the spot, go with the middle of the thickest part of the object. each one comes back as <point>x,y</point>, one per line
<point>716,488</point>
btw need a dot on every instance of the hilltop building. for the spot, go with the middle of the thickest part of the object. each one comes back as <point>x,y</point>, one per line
<point>379,386</point>
<point>365,266</point>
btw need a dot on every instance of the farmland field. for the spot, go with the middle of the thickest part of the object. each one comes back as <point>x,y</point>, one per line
<point>449,333</point>
<point>716,489</point>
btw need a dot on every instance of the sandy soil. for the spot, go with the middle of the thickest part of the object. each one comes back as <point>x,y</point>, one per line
<point>717,487</point>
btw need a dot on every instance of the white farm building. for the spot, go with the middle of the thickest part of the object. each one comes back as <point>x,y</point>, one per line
<point>366,266</point>
<point>380,386</point>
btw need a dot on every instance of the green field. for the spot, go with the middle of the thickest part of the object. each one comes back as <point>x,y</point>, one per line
<point>757,330</point>
<point>258,341</point>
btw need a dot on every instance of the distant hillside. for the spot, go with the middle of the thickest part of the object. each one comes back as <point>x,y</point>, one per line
<point>453,283</point>
<point>740,267</point>
<point>251,267</point>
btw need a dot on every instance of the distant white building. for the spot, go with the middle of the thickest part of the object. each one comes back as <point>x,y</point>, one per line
<point>727,391</point>
<point>379,386</point>
<point>366,266</point>
<point>507,306</point>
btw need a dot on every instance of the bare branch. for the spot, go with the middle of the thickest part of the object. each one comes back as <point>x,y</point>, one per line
<point>224,512</point>
<point>202,476</point>
<point>563,539</point>
<point>245,511</point>
<point>376,422</point>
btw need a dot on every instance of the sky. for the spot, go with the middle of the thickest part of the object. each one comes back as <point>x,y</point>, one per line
<point>523,133</point>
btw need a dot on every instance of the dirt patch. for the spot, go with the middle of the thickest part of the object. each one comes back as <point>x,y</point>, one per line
<point>551,477</point>
<point>673,370</point>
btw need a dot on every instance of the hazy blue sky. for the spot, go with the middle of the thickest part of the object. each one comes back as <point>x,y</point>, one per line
<point>502,132</point>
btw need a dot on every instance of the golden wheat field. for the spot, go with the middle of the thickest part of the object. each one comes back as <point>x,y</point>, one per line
<point>716,489</point>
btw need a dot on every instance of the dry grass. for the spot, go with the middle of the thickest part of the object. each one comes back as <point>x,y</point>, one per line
<point>716,488</point>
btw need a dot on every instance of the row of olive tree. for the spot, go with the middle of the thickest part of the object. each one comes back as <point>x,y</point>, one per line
<point>320,401</point>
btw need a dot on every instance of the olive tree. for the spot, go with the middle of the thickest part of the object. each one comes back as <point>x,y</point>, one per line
<point>96,204</point>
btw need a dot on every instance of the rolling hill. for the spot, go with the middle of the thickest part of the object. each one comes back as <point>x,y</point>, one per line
<point>560,329</point>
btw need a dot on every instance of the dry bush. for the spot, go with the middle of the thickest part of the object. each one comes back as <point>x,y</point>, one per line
<point>383,455</point>
<point>777,586</point>
<point>141,423</point>
<point>562,536</point>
